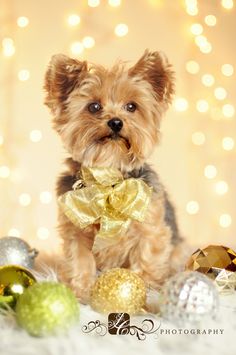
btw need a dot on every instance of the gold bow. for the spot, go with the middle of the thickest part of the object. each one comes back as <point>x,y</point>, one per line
<point>103,196</point>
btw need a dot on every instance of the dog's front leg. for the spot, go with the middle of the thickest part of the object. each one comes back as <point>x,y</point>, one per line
<point>150,257</point>
<point>79,267</point>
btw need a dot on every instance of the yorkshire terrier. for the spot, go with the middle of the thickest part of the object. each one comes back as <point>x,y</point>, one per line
<point>111,118</point>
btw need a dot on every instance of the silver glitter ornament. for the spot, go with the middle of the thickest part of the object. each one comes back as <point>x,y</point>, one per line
<point>15,251</point>
<point>188,297</point>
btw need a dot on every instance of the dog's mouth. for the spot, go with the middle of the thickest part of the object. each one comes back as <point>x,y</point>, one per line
<point>115,137</point>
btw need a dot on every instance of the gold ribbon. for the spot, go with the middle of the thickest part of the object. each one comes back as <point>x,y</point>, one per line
<point>103,196</point>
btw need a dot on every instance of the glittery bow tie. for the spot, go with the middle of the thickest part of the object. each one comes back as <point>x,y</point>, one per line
<point>104,197</point>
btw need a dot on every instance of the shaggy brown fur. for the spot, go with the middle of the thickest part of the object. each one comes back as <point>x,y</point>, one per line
<point>137,96</point>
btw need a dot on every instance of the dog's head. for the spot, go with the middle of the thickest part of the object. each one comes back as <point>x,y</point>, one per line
<point>109,117</point>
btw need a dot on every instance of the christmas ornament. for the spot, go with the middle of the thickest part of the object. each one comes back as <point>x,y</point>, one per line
<point>13,282</point>
<point>15,251</point>
<point>47,308</point>
<point>188,297</point>
<point>217,262</point>
<point>118,290</point>
<point>103,196</point>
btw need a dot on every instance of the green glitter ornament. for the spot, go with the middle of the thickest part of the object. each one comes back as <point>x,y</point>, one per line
<point>47,308</point>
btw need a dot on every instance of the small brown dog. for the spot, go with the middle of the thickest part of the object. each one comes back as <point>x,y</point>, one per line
<point>111,118</point>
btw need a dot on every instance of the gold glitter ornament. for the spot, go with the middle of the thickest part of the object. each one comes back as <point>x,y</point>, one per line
<point>47,308</point>
<point>218,263</point>
<point>14,280</point>
<point>118,291</point>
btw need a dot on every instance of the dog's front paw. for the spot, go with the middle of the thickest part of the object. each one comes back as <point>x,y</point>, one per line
<point>82,288</point>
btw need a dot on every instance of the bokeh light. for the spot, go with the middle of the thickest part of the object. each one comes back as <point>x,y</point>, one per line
<point>8,47</point>
<point>45,197</point>
<point>180,104</point>
<point>93,3</point>
<point>208,80</point>
<point>191,7</point>
<point>23,75</point>
<point>202,106</point>
<point>22,21</point>
<point>203,44</point>
<point>192,207</point>
<point>206,48</point>
<point>121,30</point>
<point>24,199</point>
<point>35,135</point>
<point>192,67</point>
<point>228,110</point>
<point>114,3</point>
<point>77,48</point>
<point>221,187</point>
<point>198,138</point>
<point>4,171</point>
<point>220,93</point>
<point>210,20</point>
<point>225,220</point>
<point>201,41</point>
<point>227,4</point>
<point>88,42</point>
<point>43,233</point>
<point>196,29</point>
<point>227,69</point>
<point>14,232</point>
<point>228,143</point>
<point>73,20</point>
<point>210,171</point>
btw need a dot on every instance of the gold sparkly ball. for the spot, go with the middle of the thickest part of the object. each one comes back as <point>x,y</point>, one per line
<point>118,291</point>
<point>14,280</point>
<point>218,263</point>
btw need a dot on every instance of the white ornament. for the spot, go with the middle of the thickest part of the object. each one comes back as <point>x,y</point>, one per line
<point>188,297</point>
<point>15,251</point>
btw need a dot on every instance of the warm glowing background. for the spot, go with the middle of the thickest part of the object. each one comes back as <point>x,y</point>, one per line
<point>197,157</point>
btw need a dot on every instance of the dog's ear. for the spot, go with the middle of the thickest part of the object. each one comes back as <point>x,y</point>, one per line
<point>62,76</point>
<point>155,68</point>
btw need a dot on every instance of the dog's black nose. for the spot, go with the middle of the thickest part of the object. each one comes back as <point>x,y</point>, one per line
<point>115,124</point>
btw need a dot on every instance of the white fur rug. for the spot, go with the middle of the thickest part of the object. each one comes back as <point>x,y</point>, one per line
<point>15,341</point>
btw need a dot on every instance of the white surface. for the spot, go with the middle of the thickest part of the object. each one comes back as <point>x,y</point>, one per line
<point>15,341</point>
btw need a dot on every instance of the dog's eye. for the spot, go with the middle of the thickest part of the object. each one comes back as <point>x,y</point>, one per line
<point>94,107</point>
<point>130,106</point>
